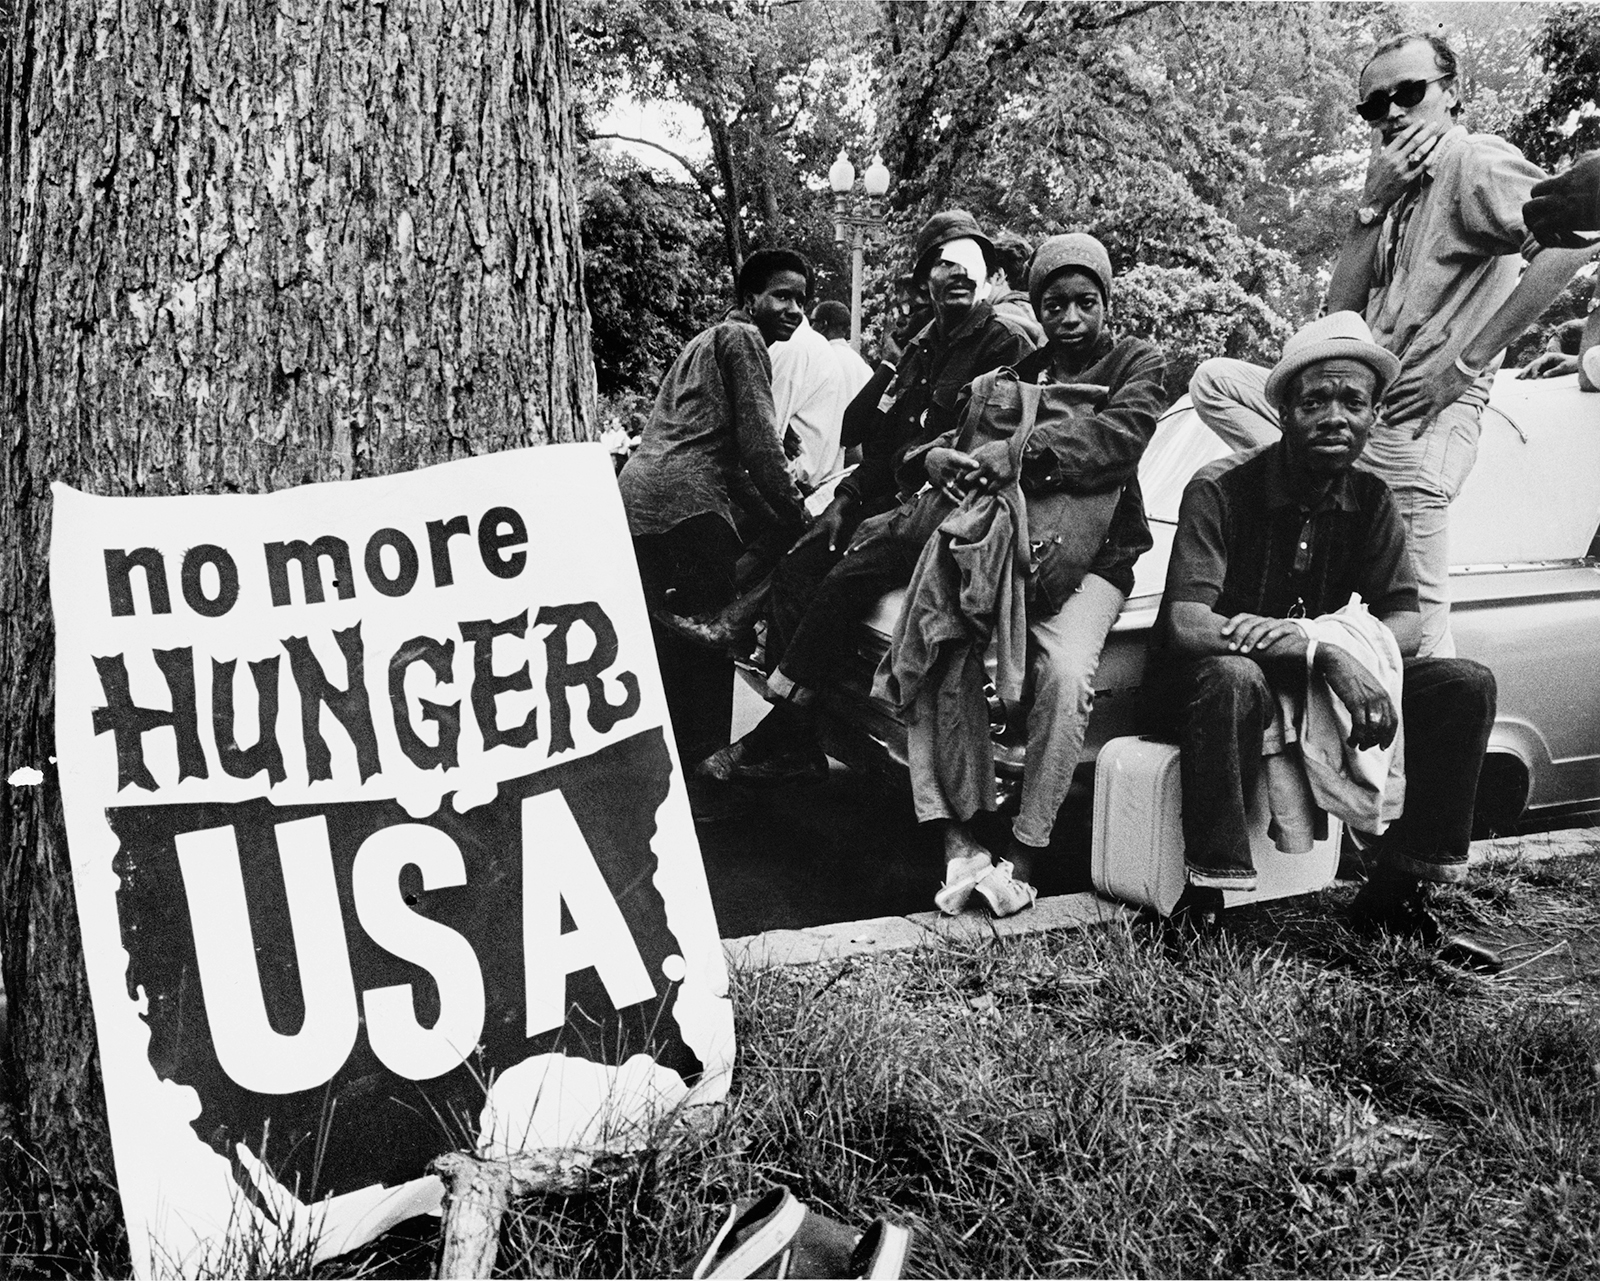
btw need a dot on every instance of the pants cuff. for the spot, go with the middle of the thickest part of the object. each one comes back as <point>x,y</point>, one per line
<point>1025,838</point>
<point>1214,880</point>
<point>785,687</point>
<point>1426,869</point>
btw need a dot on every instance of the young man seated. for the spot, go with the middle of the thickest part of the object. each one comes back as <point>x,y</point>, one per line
<point>1289,531</point>
<point>1089,456</point>
<point>819,593</point>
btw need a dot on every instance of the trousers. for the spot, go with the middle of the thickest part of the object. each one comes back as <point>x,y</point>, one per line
<point>1217,709</point>
<point>879,559</point>
<point>1424,474</point>
<point>1063,656</point>
<point>695,561</point>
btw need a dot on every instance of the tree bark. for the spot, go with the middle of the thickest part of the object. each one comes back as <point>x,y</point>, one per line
<point>732,194</point>
<point>245,247</point>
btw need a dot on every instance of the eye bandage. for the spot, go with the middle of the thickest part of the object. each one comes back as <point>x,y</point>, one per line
<point>967,254</point>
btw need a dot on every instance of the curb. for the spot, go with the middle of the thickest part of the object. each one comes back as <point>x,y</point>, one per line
<point>1538,846</point>
<point>880,934</point>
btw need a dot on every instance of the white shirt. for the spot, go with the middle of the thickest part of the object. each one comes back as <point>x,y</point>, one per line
<point>857,373</point>
<point>811,392</point>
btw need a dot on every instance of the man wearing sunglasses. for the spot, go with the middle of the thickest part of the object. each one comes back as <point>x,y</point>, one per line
<point>1432,263</point>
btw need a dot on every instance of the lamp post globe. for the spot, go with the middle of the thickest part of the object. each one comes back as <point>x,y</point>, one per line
<point>842,176</point>
<point>876,178</point>
<point>854,226</point>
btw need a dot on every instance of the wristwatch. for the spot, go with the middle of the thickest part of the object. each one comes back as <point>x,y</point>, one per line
<point>1369,214</point>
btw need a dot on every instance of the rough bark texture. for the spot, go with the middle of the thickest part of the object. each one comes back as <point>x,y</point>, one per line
<point>245,246</point>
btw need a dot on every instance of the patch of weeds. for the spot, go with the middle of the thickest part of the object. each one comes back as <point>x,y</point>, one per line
<point>1290,1100</point>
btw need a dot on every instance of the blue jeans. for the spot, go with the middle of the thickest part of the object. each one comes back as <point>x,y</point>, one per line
<point>1063,656</point>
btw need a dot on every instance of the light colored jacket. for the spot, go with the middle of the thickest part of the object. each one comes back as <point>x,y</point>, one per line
<point>1367,787</point>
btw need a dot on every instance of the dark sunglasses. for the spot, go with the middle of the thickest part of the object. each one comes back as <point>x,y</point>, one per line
<point>1375,106</point>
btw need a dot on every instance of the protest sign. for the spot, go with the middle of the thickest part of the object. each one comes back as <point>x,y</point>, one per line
<point>379,840</point>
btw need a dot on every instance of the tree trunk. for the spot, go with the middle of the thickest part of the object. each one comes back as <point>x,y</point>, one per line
<point>732,194</point>
<point>245,247</point>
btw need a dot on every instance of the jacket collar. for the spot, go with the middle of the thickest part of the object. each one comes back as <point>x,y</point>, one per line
<point>1038,360</point>
<point>1449,140</point>
<point>976,319</point>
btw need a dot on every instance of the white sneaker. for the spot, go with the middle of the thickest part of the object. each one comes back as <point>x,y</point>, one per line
<point>1005,894</point>
<point>961,877</point>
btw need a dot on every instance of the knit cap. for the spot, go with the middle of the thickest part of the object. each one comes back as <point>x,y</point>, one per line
<point>1078,250</point>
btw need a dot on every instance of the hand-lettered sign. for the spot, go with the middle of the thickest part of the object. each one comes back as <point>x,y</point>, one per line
<point>379,839</point>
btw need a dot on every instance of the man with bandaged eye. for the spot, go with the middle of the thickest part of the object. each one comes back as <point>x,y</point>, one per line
<point>819,594</point>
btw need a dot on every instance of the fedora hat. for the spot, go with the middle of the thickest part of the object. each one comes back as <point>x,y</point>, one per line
<point>1341,335</point>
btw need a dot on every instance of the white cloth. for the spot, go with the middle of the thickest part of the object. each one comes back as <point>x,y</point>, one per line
<point>809,392</point>
<point>967,254</point>
<point>1365,788</point>
<point>857,373</point>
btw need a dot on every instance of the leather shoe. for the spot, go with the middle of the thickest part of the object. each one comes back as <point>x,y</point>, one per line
<point>1198,912</point>
<point>715,631</point>
<point>739,763</point>
<point>1407,915</point>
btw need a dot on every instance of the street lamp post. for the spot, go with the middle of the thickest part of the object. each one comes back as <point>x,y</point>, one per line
<point>857,221</point>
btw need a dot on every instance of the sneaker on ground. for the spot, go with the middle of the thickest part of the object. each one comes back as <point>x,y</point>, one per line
<point>1005,894</point>
<point>961,877</point>
<point>779,1236</point>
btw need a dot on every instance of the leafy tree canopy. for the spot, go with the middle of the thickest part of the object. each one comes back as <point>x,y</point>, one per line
<point>1563,119</point>
<point>1212,147</point>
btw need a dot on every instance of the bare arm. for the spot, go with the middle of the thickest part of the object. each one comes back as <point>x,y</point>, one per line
<point>1545,278</point>
<point>1352,274</point>
<point>1198,631</point>
<point>1426,389</point>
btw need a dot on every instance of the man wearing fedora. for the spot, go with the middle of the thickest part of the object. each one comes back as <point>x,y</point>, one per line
<point>819,594</point>
<point>1431,261</point>
<point>1290,530</point>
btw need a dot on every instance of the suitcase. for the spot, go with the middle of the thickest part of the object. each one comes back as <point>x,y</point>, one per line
<point>1137,850</point>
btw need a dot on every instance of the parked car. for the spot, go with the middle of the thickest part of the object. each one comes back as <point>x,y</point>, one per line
<point>1525,592</point>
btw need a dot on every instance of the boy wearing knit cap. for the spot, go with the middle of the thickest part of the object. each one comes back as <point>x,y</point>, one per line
<point>1091,454</point>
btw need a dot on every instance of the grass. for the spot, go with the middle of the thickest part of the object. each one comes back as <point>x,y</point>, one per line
<point>1289,1101</point>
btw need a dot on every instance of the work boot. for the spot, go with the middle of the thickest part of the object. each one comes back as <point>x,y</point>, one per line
<point>745,762</point>
<point>731,629</point>
<point>1399,905</point>
<point>1198,913</point>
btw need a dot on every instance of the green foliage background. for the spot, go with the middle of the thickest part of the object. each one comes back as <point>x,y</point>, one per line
<point>1211,146</point>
